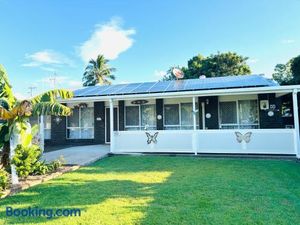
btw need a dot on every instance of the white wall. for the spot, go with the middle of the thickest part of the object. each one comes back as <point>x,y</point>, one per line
<point>271,141</point>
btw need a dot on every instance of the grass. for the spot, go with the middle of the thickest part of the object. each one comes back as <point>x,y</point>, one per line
<point>169,190</point>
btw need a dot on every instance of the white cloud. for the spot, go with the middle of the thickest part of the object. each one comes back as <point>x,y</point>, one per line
<point>159,74</point>
<point>252,60</point>
<point>19,96</point>
<point>287,41</point>
<point>61,82</point>
<point>46,57</point>
<point>74,83</point>
<point>108,39</point>
<point>54,79</point>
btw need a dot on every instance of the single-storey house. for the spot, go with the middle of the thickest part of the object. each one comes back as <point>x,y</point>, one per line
<point>247,114</point>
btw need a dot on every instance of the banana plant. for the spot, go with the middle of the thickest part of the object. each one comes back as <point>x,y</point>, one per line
<point>15,128</point>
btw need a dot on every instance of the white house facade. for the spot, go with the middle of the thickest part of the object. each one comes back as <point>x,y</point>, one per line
<point>228,115</point>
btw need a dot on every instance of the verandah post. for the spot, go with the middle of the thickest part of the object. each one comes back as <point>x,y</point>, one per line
<point>42,134</point>
<point>296,123</point>
<point>194,136</point>
<point>111,115</point>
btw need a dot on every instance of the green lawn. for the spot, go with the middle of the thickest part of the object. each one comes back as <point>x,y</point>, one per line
<point>169,190</point>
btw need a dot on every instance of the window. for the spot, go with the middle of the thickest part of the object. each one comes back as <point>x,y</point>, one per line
<point>241,114</point>
<point>132,117</point>
<point>47,127</point>
<point>34,120</point>
<point>228,113</point>
<point>140,117</point>
<point>80,125</point>
<point>171,113</point>
<point>179,116</point>
<point>248,113</point>
<point>148,114</point>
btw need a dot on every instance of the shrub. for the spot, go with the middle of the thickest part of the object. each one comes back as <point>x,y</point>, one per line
<point>54,165</point>
<point>3,180</point>
<point>25,159</point>
<point>40,168</point>
<point>27,162</point>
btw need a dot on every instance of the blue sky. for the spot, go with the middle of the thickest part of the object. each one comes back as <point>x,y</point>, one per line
<point>141,38</point>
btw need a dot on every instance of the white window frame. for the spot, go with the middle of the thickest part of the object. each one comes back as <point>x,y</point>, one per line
<point>180,123</point>
<point>237,125</point>
<point>47,129</point>
<point>80,128</point>
<point>138,127</point>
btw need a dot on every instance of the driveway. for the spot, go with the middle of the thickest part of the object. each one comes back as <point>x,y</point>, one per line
<point>79,155</point>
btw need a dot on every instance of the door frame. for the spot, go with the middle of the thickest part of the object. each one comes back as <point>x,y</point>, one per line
<point>105,126</point>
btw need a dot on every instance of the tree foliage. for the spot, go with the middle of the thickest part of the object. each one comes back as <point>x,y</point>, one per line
<point>14,114</point>
<point>295,68</point>
<point>289,73</point>
<point>98,72</point>
<point>215,65</point>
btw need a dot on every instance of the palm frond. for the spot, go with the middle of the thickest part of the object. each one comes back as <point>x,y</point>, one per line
<point>5,114</point>
<point>51,96</point>
<point>113,77</point>
<point>50,108</point>
<point>5,87</point>
<point>98,72</point>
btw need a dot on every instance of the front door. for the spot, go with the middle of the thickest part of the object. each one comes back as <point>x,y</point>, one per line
<point>107,123</point>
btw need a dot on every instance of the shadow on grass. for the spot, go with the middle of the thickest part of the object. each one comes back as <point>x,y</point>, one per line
<point>88,186</point>
<point>168,190</point>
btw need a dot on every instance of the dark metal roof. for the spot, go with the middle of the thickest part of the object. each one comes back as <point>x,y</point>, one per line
<point>176,86</point>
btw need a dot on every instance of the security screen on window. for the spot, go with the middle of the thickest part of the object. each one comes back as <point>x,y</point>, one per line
<point>80,125</point>
<point>180,116</point>
<point>242,114</point>
<point>148,116</point>
<point>171,112</point>
<point>140,117</point>
<point>132,117</point>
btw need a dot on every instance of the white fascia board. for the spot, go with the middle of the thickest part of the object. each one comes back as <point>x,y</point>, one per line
<point>200,93</point>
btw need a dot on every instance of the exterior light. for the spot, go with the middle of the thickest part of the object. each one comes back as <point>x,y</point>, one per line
<point>57,120</point>
<point>270,113</point>
<point>208,115</point>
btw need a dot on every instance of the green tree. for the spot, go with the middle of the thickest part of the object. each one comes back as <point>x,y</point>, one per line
<point>15,128</point>
<point>289,73</point>
<point>295,68</point>
<point>215,65</point>
<point>98,72</point>
<point>283,74</point>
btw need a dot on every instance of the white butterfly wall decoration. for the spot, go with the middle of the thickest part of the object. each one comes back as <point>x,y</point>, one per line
<point>240,137</point>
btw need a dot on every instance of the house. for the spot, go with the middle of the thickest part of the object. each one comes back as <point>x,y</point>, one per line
<point>236,115</point>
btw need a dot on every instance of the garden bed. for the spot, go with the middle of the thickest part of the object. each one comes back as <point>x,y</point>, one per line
<point>37,179</point>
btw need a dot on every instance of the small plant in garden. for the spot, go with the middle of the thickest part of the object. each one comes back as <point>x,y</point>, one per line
<point>40,168</point>
<point>25,159</point>
<point>3,180</point>
<point>54,165</point>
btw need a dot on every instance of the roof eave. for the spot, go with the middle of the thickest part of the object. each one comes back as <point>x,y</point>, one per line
<point>232,91</point>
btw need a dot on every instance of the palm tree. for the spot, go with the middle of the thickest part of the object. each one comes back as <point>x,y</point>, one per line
<point>98,72</point>
<point>15,128</point>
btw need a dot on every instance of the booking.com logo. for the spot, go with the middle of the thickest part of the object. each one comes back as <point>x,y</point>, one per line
<point>41,212</point>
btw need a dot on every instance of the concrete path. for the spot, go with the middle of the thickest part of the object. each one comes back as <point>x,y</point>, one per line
<point>79,155</point>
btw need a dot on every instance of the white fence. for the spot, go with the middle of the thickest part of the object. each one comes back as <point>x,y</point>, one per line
<point>254,141</point>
